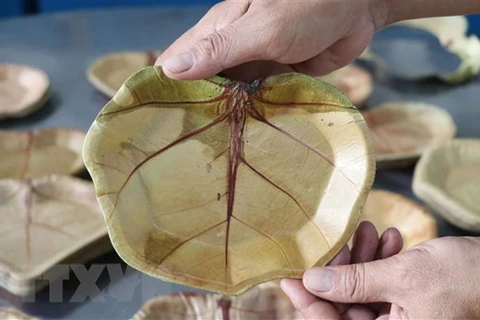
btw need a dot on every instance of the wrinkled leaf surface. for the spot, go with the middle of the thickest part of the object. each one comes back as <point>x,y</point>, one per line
<point>222,185</point>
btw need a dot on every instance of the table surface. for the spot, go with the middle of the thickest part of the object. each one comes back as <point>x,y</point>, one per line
<point>64,45</point>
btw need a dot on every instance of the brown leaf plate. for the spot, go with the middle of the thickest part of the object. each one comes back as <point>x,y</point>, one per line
<point>387,209</point>
<point>355,82</point>
<point>23,89</point>
<point>31,154</point>
<point>109,72</point>
<point>447,178</point>
<point>46,221</point>
<point>401,131</point>
<point>223,185</point>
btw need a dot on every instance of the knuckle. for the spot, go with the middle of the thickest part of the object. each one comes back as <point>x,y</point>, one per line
<point>354,284</point>
<point>275,38</point>
<point>214,46</point>
<point>216,9</point>
<point>411,269</point>
<point>276,52</point>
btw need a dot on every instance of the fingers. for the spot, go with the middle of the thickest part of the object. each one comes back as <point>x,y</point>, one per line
<point>356,283</point>
<point>384,310</point>
<point>235,44</point>
<point>309,305</point>
<point>217,18</point>
<point>343,257</point>
<point>390,243</point>
<point>358,312</point>
<point>365,243</point>
<point>338,55</point>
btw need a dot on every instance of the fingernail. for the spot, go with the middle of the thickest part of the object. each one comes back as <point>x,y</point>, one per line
<point>319,279</point>
<point>179,63</point>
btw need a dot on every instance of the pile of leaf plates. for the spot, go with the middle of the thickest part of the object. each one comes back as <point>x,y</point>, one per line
<point>48,216</point>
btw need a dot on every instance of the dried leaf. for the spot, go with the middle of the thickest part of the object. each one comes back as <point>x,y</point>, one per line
<point>44,221</point>
<point>387,209</point>
<point>401,131</point>
<point>23,89</point>
<point>31,154</point>
<point>223,185</point>
<point>264,302</point>
<point>108,73</point>
<point>354,82</point>
<point>447,178</point>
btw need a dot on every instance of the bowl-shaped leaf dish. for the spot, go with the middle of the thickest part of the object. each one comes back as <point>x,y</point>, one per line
<point>108,73</point>
<point>401,131</point>
<point>23,90</point>
<point>447,178</point>
<point>387,209</point>
<point>31,154</point>
<point>222,185</point>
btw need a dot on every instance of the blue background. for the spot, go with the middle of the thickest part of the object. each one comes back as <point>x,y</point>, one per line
<point>11,8</point>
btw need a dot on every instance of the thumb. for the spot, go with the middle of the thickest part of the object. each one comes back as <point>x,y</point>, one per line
<point>356,283</point>
<point>233,45</point>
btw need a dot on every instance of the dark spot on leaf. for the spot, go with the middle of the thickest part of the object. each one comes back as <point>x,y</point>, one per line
<point>330,124</point>
<point>219,196</point>
<point>208,167</point>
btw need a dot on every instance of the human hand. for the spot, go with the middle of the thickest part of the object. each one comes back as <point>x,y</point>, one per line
<point>366,247</point>
<point>312,37</point>
<point>437,279</point>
